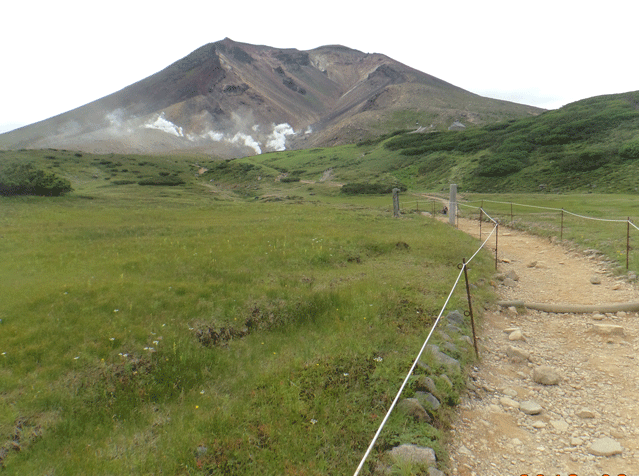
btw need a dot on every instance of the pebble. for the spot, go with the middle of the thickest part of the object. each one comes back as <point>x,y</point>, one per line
<point>546,375</point>
<point>509,402</point>
<point>530,407</point>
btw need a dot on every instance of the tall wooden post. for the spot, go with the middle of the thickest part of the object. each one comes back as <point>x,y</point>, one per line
<point>395,202</point>
<point>628,245</point>
<point>452,204</point>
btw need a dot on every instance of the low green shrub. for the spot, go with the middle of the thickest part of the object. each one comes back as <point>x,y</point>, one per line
<point>370,188</point>
<point>25,179</point>
<point>630,150</point>
<point>170,181</point>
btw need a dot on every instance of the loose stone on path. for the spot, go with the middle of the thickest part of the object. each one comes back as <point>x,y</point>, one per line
<point>546,375</point>
<point>605,447</point>
<point>530,407</point>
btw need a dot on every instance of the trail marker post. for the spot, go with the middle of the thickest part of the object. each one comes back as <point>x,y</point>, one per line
<point>452,205</point>
<point>395,202</point>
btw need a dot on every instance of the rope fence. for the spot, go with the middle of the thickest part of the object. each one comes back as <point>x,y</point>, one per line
<point>562,212</point>
<point>463,271</point>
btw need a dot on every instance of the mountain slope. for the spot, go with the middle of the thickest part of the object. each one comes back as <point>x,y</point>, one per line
<point>232,99</point>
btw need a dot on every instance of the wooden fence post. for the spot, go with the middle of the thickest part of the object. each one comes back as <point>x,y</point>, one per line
<point>395,202</point>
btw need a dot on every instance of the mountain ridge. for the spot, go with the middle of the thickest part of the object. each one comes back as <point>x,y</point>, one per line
<point>231,99</point>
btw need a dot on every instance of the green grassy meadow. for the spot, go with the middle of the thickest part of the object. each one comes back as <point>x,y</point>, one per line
<point>237,323</point>
<point>171,330</point>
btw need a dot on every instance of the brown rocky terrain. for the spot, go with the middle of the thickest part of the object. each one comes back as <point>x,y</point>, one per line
<point>234,99</point>
<point>553,393</point>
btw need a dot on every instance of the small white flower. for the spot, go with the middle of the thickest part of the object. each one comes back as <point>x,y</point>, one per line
<point>76,358</point>
<point>378,359</point>
<point>345,374</point>
<point>313,421</point>
<point>116,310</point>
<point>156,342</point>
<point>111,339</point>
<point>201,392</point>
<point>4,353</point>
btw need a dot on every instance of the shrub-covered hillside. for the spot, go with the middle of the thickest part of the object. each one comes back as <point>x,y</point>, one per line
<point>590,143</point>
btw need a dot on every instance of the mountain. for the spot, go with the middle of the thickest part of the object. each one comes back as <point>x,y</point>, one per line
<point>232,99</point>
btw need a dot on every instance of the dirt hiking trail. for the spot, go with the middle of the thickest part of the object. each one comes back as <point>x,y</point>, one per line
<point>553,394</point>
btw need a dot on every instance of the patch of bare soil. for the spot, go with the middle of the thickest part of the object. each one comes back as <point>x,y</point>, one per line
<point>588,423</point>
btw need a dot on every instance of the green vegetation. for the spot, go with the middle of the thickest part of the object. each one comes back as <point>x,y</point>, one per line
<point>25,179</point>
<point>172,330</point>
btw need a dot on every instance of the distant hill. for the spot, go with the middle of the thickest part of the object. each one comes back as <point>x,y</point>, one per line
<point>588,145</point>
<point>231,99</point>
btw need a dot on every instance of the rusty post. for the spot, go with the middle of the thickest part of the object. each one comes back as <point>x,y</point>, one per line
<point>470,307</point>
<point>628,245</point>
<point>496,243</point>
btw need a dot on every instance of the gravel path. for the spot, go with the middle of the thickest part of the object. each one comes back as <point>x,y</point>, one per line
<point>588,422</point>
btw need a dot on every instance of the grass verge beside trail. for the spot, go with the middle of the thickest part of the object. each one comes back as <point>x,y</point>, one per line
<point>197,337</point>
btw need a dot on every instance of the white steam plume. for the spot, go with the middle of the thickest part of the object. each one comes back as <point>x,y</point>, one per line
<point>164,125</point>
<point>277,138</point>
<point>247,140</point>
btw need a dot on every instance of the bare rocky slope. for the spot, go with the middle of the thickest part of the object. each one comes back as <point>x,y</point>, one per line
<point>234,99</point>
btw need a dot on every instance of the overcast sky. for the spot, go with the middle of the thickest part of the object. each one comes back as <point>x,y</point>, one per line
<point>57,56</point>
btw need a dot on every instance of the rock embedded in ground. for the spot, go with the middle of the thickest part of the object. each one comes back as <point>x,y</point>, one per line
<point>516,354</point>
<point>443,358</point>
<point>426,398</point>
<point>546,375</point>
<point>410,453</point>
<point>559,425</point>
<point>509,402</point>
<point>509,283</point>
<point>605,447</point>
<point>530,407</point>
<point>414,409</point>
<point>425,383</point>
<point>516,335</point>
<point>608,329</point>
<point>595,279</point>
<point>512,275</point>
<point>584,412</point>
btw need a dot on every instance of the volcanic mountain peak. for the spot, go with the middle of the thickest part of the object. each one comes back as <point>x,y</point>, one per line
<point>230,99</point>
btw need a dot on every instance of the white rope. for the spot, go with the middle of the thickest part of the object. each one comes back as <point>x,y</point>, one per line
<point>522,205</point>
<point>421,351</point>
<point>410,372</point>
<point>483,244</point>
<point>596,219</point>
<point>489,217</point>
<point>635,226</point>
<point>560,210</point>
